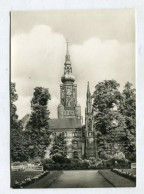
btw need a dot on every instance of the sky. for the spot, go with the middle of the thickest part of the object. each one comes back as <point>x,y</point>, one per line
<point>101,47</point>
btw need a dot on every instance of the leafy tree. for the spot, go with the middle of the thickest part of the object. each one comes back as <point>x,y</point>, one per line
<point>59,149</point>
<point>109,123</point>
<point>106,99</point>
<point>14,97</point>
<point>37,129</point>
<point>128,107</point>
<point>128,110</point>
<point>17,149</point>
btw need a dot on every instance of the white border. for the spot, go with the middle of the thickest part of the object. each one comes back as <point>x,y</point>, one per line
<point>9,5</point>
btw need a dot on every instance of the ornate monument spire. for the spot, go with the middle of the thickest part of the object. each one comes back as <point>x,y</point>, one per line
<point>88,90</point>
<point>90,145</point>
<point>68,76</point>
<point>89,100</point>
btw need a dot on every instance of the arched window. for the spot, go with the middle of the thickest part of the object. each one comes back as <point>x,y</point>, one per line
<point>74,134</point>
<point>75,154</point>
<point>65,134</point>
<point>75,144</point>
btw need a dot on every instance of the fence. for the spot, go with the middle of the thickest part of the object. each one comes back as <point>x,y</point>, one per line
<point>133,165</point>
<point>34,168</point>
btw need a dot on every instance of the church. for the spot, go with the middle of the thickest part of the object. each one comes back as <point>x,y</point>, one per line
<point>80,139</point>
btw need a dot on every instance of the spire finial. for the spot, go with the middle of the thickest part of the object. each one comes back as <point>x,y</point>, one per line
<point>67,47</point>
<point>67,57</point>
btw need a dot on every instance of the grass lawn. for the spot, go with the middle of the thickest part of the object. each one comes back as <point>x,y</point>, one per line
<point>45,181</point>
<point>21,175</point>
<point>133,171</point>
<point>117,180</point>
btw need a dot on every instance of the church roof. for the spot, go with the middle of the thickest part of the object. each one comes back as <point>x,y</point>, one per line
<point>66,123</point>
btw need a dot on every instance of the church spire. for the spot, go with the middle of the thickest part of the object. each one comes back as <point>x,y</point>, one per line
<point>88,100</point>
<point>88,91</point>
<point>67,76</point>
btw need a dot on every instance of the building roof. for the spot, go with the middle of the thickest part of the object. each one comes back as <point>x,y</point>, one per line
<point>66,123</point>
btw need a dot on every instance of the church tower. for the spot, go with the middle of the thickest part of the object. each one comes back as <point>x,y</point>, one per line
<point>68,108</point>
<point>90,144</point>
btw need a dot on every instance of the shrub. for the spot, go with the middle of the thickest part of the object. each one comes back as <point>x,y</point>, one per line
<point>47,161</point>
<point>77,163</point>
<point>58,158</point>
<point>50,164</point>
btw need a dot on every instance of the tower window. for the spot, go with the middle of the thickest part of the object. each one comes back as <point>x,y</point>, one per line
<point>74,134</point>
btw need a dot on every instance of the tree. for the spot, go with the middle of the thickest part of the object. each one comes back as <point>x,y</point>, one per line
<point>128,107</point>
<point>17,149</point>
<point>14,97</point>
<point>109,123</point>
<point>37,129</point>
<point>59,149</point>
<point>128,110</point>
<point>106,100</point>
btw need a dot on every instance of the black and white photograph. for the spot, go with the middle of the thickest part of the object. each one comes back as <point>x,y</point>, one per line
<point>73,99</point>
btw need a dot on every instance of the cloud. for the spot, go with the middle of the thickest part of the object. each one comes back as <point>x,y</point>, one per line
<point>38,60</point>
<point>103,60</point>
<point>23,105</point>
<point>53,103</point>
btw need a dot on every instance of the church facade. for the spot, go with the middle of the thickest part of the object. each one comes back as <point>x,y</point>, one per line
<point>80,139</point>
